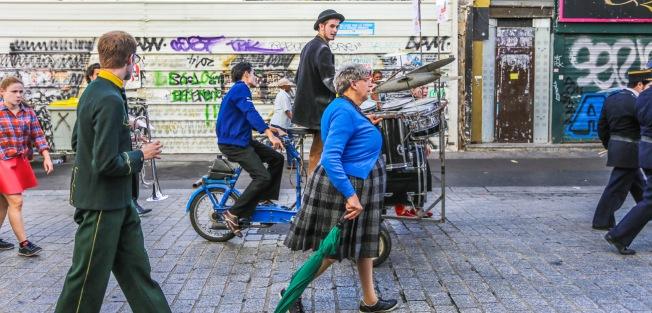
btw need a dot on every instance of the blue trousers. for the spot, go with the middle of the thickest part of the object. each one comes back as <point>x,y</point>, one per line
<point>621,182</point>
<point>637,218</point>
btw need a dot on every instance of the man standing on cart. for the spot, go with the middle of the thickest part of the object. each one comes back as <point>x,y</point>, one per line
<point>314,79</point>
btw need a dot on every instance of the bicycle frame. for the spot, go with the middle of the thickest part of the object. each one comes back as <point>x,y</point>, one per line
<point>263,213</point>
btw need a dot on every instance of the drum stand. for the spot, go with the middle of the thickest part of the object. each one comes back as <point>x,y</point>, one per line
<point>441,199</point>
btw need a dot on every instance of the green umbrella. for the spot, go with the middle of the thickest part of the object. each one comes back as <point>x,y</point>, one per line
<point>302,277</point>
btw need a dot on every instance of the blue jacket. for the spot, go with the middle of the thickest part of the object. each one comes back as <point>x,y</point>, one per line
<point>351,144</point>
<point>644,114</point>
<point>238,117</point>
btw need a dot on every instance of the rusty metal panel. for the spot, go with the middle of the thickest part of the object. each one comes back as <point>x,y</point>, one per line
<point>515,84</point>
<point>587,63</point>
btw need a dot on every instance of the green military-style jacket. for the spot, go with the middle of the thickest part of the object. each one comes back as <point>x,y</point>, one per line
<point>105,165</point>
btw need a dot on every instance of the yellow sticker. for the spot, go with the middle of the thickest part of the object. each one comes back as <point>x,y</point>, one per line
<point>513,76</point>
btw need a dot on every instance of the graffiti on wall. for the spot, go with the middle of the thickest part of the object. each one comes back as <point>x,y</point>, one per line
<point>430,44</point>
<point>588,65</point>
<point>182,79</point>
<point>51,70</point>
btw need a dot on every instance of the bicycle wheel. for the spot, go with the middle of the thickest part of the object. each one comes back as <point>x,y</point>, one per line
<point>206,222</point>
<point>385,246</point>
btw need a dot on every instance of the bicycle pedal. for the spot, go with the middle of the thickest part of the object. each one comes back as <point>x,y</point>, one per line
<point>244,223</point>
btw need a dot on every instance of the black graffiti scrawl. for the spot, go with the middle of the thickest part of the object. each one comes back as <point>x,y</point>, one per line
<point>51,69</point>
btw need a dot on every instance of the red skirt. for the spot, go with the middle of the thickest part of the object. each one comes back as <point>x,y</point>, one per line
<point>16,175</point>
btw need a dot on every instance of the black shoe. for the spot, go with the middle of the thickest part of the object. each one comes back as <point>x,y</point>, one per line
<point>6,245</point>
<point>622,249</point>
<point>29,249</point>
<point>601,227</point>
<point>380,306</point>
<point>140,209</point>
<point>297,306</point>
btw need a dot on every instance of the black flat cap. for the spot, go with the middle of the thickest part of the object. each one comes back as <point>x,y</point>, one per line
<point>327,15</point>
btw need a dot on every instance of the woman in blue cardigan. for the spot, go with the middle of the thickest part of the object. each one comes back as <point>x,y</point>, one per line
<point>349,180</point>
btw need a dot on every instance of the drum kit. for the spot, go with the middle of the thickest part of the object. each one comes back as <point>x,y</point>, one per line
<point>407,124</point>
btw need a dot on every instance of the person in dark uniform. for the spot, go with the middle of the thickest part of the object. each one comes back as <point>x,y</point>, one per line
<point>91,74</point>
<point>109,237</point>
<point>624,233</point>
<point>619,132</point>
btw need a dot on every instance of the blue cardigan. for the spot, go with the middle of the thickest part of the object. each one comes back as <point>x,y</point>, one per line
<point>237,117</point>
<point>351,144</point>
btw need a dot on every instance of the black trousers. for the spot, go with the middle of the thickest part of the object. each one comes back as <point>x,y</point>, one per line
<point>621,182</point>
<point>637,218</point>
<point>265,182</point>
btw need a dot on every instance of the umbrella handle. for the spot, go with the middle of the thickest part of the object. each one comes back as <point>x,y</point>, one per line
<point>341,221</point>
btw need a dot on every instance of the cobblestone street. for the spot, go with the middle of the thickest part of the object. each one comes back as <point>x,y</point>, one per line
<point>502,249</point>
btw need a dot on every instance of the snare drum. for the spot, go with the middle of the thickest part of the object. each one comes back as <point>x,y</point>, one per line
<point>368,106</point>
<point>422,118</point>
<point>394,141</point>
<point>395,104</point>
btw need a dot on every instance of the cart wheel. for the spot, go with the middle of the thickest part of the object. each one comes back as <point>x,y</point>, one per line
<point>385,246</point>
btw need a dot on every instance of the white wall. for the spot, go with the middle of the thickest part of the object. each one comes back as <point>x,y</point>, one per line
<point>188,47</point>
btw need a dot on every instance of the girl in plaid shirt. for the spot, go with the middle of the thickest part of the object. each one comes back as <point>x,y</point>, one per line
<point>19,131</point>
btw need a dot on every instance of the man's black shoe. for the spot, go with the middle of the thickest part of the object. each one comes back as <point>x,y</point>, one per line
<point>140,209</point>
<point>297,306</point>
<point>6,245</point>
<point>380,306</point>
<point>622,249</point>
<point>29,249</point>
<point>601,227</point>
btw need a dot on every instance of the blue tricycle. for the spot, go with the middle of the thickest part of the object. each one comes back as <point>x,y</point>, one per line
<point>216,192</point>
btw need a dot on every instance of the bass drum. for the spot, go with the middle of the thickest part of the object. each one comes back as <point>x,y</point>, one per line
<point>410,185</point>
<point>394,142</point>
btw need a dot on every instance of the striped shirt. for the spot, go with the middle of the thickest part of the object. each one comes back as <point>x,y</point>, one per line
<point>18,132</point>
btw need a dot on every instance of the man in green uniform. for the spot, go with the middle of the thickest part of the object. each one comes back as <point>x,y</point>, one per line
<point>109,237</point>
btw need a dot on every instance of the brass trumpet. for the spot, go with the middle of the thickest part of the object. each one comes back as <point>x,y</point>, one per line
<point>148,175</point>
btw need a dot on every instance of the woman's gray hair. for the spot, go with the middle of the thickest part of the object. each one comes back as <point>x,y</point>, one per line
<point>349,73</point>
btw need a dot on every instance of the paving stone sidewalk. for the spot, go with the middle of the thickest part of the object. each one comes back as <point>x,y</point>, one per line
<point>504,249</point>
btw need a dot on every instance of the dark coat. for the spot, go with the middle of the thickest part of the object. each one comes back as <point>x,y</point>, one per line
<point>314,81</point>
<point>644,114</point>
<point>619,130</point>
<point>105,166</point>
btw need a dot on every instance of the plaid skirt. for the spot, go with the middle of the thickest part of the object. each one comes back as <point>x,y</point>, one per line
<point>323,205</point>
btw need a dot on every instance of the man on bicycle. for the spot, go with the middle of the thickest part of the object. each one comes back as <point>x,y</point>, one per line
<point>235,121</point>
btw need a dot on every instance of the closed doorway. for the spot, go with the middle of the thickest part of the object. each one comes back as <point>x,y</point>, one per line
<point>514,100</point>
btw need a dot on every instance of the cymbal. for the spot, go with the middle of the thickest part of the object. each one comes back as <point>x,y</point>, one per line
<point>408,81</point>
<point>431,67</point>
